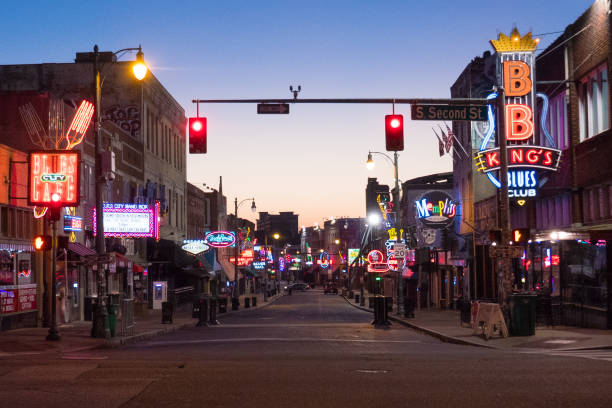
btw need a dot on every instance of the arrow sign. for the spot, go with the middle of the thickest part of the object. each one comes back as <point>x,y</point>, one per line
<point>272,108</point>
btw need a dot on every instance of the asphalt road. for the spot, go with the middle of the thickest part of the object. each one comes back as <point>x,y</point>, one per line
<point>305,350</point>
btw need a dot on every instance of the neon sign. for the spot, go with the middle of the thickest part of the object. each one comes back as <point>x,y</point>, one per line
<point>73,223</point>
<point>324,260</point>
<point>259,265</point>
<point>54,172</point>
<point>519,156</point>
<point>129,220</point>
<point>375,256</point>
<point>220,239</point>
<point>436,209</point>
<point>195,246</point>
<point>515,64</point>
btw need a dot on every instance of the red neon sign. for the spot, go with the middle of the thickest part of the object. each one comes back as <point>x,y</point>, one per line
<point>54,173</point>
<point>520,156</point>
<point>79,124</point>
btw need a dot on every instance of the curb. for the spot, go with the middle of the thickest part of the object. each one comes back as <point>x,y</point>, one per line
<point>441,336</point>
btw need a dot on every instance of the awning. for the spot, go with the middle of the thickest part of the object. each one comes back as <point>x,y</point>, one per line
<point>228,268</point>
<point>80,249</point>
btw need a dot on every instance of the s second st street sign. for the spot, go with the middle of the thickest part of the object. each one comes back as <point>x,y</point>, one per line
<point>448,112</point>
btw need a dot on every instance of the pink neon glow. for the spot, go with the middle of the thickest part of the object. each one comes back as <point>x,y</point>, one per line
<point>39,212</point>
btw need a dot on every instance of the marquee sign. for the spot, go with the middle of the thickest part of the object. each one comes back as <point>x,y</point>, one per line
<point>516,72</point>
<point>436,209</point>
<point>195,246</point>
<point>220,239</point>
<point>375,256</point>
<point>51,172</point>
<point>129,220</point>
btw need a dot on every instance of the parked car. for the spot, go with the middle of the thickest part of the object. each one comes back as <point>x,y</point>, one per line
<point>330,288</point>
<point>300,286</point>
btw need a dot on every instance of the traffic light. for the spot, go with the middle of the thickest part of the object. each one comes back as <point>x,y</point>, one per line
<point>197,135</point>
<point>520,235</point>
<point>55,208</point>
<point>42,242</point>
<point>394,132</point>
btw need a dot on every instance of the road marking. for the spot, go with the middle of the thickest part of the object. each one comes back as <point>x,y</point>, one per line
<point>266,339</point>
<point>602,355</point>
<point>20,353</point>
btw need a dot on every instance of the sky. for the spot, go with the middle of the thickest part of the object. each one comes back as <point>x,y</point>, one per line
<point>311,161</point>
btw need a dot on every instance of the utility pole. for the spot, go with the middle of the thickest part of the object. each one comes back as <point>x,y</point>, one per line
<point>504,214</point>
<point>400,265</point>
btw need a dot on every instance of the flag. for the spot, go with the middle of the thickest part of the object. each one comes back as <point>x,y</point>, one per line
<point>450,132</point>
<point>448,141</point>
<point>440,144</point>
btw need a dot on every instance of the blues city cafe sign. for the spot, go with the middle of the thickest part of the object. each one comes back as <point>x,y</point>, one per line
<point>515,71</point>
<point>220,239</point>
<point>436,209</point>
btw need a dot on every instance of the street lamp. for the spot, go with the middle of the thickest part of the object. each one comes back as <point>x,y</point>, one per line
<point>396,206</point>
<point>140,70</point>
<point>236,295</point>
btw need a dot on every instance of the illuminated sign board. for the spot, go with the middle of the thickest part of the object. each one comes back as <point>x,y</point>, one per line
<point>129,220</point>
<point>51,172</point>
<point>436,209</point>
<point>375,256</point>
<point>378,267</point>
<point>519,156</point>
<point>324,260</point>
<point>353,253</point>
<point>220,239</point>
<point>515,70</point>
<point>195,246</point>
<point>73,223</point>
<point>259,265</point>
<point>522,183</point>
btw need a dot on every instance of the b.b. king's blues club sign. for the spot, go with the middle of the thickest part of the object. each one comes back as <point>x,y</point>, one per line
<point>532,151</point>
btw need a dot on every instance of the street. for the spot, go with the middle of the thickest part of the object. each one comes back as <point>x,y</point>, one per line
<point>304,350</point>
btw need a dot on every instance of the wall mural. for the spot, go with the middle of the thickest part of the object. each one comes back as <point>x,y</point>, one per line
<point>126,117</point>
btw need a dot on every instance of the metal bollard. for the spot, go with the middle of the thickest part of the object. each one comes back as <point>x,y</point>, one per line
<point>213,311</point>
<point>203,316</point>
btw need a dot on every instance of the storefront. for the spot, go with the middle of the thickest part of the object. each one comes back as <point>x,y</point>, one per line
<point>18,286</point>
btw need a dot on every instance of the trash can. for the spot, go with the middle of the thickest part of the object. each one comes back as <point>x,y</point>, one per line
<point>167,312</point>
<point>356,298</point>
<point>203,311</point>
<point>247,302</point>
<point>371,302</point>
<point>213,311</point>
<point>523,314</point>
<point>112,319</point>
<point>409,306</point>
<point>235,303</point>
<point>254,301</point>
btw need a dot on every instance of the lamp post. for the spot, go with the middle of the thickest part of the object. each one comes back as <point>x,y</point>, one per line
<point>396,206</point>
<point>276,237</point>
<point>99,328</point>
<point>236,295</point>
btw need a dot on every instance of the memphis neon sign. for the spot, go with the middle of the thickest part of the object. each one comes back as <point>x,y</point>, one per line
<point>436,209</point>
<point>54,172</point>
<point>129,220</point>
<point>220,239</point>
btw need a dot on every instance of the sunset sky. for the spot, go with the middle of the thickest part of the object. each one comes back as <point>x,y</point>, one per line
<point>311,161</point>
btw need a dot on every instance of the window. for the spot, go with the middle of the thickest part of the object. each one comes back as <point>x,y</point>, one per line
<point>557,122</point>
<point>593,103</point>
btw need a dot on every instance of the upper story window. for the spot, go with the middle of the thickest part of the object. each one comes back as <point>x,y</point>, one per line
<point>593,104</point>
<point>557,121</point>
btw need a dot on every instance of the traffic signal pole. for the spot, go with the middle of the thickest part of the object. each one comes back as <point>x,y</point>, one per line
<point>406,101</point>
<point>53,331</point>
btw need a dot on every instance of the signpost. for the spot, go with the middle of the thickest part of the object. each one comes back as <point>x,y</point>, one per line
<point>446,112</point>
<point>272,108</point>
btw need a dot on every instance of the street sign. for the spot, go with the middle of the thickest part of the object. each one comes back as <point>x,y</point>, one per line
<point>448,112</point>
<point>272,108</point>
<point>399,251</point>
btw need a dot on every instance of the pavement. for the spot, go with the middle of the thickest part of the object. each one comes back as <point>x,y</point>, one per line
<point>75,336</point>
<point>446,325</point>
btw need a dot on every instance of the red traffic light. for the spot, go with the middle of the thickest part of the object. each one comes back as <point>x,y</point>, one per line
<point>394,132</point>
<point>42,242</point>
<point>197,135</point>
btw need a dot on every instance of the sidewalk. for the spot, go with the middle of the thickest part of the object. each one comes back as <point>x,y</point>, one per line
<point>75,336</point>
<point>446,325</point>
